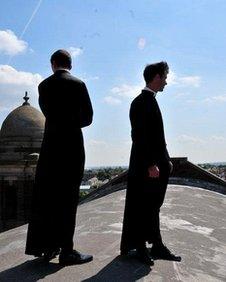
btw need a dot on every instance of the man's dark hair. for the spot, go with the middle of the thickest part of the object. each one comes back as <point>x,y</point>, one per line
<point>61,58</point>
<point>152,70</point>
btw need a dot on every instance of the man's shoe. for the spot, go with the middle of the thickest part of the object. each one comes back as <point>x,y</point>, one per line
<point>164,253</point>
<point>143,255</point>
<point>48,256</point>
<point>74,258</point>
<point>38,255</point>
<point>124,252</point>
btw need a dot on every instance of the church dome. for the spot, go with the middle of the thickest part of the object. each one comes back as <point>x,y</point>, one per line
<point>21,133</point>
<point>25,121</point>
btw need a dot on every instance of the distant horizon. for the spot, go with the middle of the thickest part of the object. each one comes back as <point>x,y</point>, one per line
<point>126,166</point>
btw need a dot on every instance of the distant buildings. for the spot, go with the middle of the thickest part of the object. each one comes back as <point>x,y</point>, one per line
<point>220,171</point>
<point>94,182</point>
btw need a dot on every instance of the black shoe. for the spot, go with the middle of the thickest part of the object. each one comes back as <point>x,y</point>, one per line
<point>130,253</point>
<point>74,258</point>
<point>48,256</point>
<point>124,252</point>
<point>38,255</point>
<point>164,253</point>
<point>143,255</point>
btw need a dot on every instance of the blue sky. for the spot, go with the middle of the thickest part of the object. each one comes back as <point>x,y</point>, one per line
<point>111,42</point>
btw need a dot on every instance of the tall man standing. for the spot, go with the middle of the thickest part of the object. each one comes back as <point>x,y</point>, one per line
<point>149,171</point>
<point>65,102</point>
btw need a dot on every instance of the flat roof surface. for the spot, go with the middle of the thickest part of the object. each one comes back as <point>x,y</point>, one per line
<point>193,224</point>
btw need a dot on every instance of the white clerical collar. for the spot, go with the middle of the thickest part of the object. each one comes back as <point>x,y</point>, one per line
<point>150,90</point>
<point>62,69</point>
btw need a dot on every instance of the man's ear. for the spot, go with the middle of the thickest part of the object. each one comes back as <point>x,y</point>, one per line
<point>53,65</point>
<point>157,76</point>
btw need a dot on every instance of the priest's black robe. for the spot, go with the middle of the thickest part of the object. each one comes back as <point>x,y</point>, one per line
<point>65,102</point>
<point>145,195</point>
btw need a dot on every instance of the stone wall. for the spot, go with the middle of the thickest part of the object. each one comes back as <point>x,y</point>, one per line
<point>184,173</point>
<point>15,203</point>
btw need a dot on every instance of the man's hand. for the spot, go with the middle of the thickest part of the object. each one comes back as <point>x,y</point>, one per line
<point>171,166</point>
<point>153,171</point>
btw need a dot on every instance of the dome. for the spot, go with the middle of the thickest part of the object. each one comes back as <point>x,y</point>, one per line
<point>25,121</point>
<point>21,133</point>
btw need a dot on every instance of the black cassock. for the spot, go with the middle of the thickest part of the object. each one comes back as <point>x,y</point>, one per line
<point>65,102</point>
<point>145,195</point>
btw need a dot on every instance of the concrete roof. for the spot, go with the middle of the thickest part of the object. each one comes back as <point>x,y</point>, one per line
<point>193,225</point>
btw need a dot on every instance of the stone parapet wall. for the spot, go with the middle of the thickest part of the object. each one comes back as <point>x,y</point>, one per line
<point>185,173</point>
<point>198,184</point>
<point>185,169</point>
<point>15,203</point>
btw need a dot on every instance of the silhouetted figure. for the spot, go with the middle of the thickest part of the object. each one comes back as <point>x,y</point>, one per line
<point>149,171</point>
<point>65,102</point>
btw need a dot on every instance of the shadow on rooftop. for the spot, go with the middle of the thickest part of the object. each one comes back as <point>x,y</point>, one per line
<point>32,271</point>
<point>121,270</point>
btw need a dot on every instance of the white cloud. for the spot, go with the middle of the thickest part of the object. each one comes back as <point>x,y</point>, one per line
<point>171,78</point>
<point>192,101</point>
<point>112,100</point>
<point>141,43</point>
<point>190,80</point>
<point>180,94</point>
<point>14,83</point>
<point>220,99</point>
<point>183,138</point>
<point>93,78</point>
<point>4,109</point>
<point>75,51</point>
<point>218,138</point>
<point>209,100</point>
<point>95,142</point>
<point>126,90</point>
<point>199,149</point>
<point>89,78</point>
<point>190,139</point>
<point>10,44</point>
<point>9,75</point>
<point>184,81</point>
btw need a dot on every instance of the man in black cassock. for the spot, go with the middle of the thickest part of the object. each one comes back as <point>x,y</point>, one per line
<point>65,102</point>
<point>148,173</point>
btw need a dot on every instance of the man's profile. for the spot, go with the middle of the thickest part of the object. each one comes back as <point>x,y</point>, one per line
<point>149,171</point>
